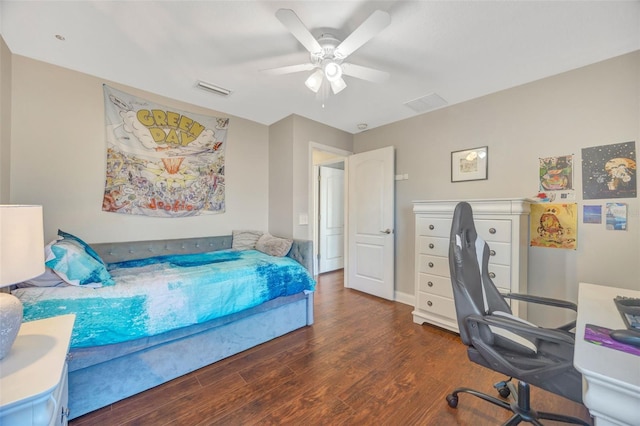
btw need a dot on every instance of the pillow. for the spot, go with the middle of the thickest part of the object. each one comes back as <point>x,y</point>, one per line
<point>245,240</point>
<point>70,260</point>
<point>91,252</point>
<point>48,279</point>
<point>274,246</point>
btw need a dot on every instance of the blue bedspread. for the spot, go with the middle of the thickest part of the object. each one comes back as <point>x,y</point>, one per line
<point>155,295</point>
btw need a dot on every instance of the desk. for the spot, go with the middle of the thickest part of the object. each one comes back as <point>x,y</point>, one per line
<point>611,385</point>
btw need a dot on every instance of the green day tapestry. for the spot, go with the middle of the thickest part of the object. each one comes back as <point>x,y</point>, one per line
<point>161,161</point>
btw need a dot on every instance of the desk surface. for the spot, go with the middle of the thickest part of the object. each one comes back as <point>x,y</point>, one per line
<point>596,306</point>
<point>612,377</point>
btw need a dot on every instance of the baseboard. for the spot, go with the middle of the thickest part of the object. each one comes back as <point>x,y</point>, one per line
<point>407,299</point>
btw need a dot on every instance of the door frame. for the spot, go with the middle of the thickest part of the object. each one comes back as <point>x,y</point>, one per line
<point>314,192</point>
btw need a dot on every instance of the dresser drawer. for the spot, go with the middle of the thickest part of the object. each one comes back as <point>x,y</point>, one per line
<point>499,253</point>
<point>501,277</point>
<point>434,265</point>
<point>433,227</point>
<point>433,245</point>
<point>438,305</point>
<point>494,230</point>
<point>435,284</point>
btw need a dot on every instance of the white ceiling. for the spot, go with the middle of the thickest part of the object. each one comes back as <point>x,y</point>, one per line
<point>458,49</point>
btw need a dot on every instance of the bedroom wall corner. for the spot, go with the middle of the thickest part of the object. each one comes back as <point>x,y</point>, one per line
<point>281,177</point>
<point>59,160</point>
<point>5,121</point>
<point>307,131</point>
<point>289,186</point>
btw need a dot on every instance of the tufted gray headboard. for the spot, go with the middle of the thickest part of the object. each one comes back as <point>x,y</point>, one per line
<point>301,250</point>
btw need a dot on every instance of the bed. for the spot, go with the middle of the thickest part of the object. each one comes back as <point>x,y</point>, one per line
<point>139,350</point>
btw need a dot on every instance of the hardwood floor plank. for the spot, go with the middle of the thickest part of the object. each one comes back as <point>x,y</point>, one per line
<point>363,361</point>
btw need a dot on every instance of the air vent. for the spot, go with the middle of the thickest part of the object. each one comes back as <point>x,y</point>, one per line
<point>213,88</point>
<point>426,103</point>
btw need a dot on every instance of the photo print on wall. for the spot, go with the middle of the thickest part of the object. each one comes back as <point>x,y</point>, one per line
<point>609,171</point>
<point>556,173</point>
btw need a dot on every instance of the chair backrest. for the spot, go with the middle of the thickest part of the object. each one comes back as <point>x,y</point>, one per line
<point>473,290</point>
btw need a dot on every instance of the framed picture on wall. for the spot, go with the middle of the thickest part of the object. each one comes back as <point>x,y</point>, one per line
<point>469,164</point>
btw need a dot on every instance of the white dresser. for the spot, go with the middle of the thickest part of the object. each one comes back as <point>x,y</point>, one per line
<point>502,223</point>
<point>33,376</point>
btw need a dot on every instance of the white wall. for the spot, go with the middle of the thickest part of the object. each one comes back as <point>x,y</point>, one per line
<point>281,178</point>
<point>5,121</point>
<point>559,115</point>
<point>59,151</point>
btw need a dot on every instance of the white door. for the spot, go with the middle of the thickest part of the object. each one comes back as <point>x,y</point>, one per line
<point>331,230</point>
<point>370,262</point>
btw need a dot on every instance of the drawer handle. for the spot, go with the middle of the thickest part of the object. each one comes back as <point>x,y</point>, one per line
<point>492,230</point>
<point>430,264</point>
<point>431,245</point>
<point>492,275</point>
<point>492,252</point>
<point>432,227</point>
<point>429,303</point>
<point>430,284</point>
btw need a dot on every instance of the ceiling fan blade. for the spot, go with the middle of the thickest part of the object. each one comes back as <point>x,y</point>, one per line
<point>291,21</point>
<point>375,23</point>
<point>365,73</point>
<point>338,86</point>
<point>289,69</point>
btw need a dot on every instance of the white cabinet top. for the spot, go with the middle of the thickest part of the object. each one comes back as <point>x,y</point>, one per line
<point>496,206</point>
<point>34,365</point>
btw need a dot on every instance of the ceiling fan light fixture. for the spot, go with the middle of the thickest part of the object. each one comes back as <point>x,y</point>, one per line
<point>338,86</point>
<point>332,70</point>
<point>314,81</point>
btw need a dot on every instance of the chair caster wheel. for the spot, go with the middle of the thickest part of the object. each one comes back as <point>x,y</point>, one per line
<point>504,392</point>
<point>452,400</point>
<point>503,388</point>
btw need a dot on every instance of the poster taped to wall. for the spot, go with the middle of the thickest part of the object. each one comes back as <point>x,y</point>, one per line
<point>556,173</point>
<point>554,225</point>
<point>616,217</point>
<point>162,161</point>
<point>609,171</point>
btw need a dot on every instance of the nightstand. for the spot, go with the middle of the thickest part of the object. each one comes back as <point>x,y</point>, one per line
<point>33,376</point>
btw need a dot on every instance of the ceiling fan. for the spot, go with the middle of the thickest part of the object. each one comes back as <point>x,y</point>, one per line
<point>327,53</point>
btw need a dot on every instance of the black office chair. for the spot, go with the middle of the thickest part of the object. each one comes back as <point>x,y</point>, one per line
<point>498,340</point>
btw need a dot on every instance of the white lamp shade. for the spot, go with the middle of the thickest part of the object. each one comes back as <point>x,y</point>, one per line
<point>315,81</point>
<point>21,243</point>
<point>332,71</point>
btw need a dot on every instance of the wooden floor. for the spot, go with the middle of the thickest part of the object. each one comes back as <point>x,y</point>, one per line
<point>363,362</point>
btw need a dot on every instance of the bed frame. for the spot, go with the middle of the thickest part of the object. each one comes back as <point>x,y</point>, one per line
<point>102,375</point>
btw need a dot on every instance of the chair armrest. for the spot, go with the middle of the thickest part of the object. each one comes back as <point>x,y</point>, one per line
<point>549,335</point>
<point>542,300</point>
<point>547,301</point>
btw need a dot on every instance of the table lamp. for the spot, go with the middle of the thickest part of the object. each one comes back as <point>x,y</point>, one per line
<point>21,258</point>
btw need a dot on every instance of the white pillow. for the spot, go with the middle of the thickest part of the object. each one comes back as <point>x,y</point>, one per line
<point>274,246</point>
<point>245,239</point>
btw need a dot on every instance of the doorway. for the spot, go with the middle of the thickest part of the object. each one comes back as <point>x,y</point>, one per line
<point>328,211</point>
<point>330,217</point>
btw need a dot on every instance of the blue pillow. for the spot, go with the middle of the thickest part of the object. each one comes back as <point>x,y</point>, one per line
<point>70,260</point>
<point>91,252</point>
